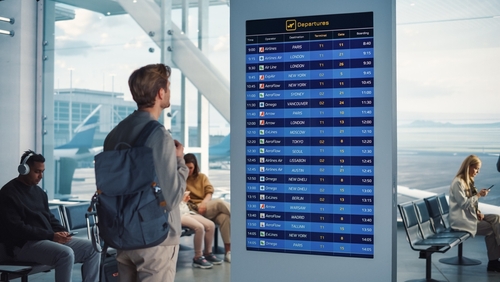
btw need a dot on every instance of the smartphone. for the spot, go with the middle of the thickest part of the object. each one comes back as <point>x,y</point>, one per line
<point>489,188</point>
<point>72,233</point>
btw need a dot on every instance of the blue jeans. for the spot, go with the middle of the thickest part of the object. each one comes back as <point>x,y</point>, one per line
<point>62,257</point>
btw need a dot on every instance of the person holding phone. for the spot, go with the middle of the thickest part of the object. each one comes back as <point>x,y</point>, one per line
<point>465,214</point>
<point>203,232</point>
<point>31,233</point>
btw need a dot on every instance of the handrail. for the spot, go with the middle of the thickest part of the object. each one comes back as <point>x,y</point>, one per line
<point>7,20</point>
<point>6,32</point>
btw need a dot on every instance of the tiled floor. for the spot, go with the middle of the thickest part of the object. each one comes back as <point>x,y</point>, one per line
<point>409,266</point>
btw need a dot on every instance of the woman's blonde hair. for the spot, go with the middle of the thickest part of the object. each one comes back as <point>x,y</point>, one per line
<point>464,171</point>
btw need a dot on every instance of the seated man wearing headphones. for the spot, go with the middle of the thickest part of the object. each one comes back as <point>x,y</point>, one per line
<point>31,233</point>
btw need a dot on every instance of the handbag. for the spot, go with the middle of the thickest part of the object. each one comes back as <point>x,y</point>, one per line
<point>192,206</point>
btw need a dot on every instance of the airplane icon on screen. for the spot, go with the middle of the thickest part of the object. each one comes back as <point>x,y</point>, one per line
<point>291,25</point>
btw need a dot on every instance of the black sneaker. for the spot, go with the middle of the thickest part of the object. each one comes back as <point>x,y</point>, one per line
<point>213,259</point>
<point>201,262</point>
<point>494,265</point>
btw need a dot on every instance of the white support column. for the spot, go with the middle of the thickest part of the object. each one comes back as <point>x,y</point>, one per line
<point>51,170</point>
<point>183,114</point>
<point>166,54</point>
<point>19,112</point>
<point>203,106</point>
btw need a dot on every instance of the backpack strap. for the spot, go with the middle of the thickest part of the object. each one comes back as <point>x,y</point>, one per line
<point>145,132</point>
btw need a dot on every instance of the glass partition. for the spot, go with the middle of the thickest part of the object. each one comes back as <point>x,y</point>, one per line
<point>447,55</point>
<point>93,55</point>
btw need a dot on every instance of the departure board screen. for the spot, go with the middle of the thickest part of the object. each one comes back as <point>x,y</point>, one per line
<point>309,135</point>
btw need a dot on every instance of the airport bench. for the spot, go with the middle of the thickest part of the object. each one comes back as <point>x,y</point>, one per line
<point>7,272</point>
<point>440,224</point>
<point>424,240</point>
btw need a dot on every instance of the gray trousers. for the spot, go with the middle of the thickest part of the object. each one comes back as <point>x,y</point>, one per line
<point>490,228</point>
<point>62,257</point>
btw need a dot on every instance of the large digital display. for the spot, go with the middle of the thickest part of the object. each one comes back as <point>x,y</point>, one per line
<point>309,135</point>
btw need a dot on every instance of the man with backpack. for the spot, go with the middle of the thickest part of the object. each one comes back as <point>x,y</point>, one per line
<point>150,88</point>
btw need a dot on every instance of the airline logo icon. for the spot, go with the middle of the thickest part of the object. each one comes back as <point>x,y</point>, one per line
<point>262,187</point>
<point>262,234</point>
<point>261,67</point>
<point>261,77</point>
<point>262,160</point>
<point>261,104</point>
<point>262,242</point>
<point>262,224</point>
<point>262,114</point>
<point>261,58</point>
<point>262,169</point>
<point>261,86</point>
<point>262,178</point>
<point>262,141</point>
<point>262,215</point>
<point>262,196</point>
<point>291,25</point>
<point>261,132</point>
<point>261,95</point>
<point>261,150</point>
<point>262,206</point>
<point>261,49</point>
<point>262,122</point>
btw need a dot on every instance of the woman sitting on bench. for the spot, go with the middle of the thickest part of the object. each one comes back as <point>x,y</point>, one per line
<point>201,202</point>
<point>465,214</point>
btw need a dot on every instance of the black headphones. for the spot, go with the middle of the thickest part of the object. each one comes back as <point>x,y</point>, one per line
<point>23,168</point>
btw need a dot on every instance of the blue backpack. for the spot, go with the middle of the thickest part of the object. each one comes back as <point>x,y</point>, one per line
<point>129,204</point>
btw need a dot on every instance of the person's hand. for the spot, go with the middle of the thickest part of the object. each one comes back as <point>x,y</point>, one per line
<point>480,216</point>
<point>202,208</point>
<point>483,192</point>
<point>61,237</point>
<point>186,197</point>
<point>179,149</point>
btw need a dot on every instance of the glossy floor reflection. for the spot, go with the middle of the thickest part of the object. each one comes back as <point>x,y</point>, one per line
<point>409,266</point>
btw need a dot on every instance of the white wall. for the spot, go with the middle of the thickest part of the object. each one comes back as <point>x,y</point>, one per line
<point>17,85</point>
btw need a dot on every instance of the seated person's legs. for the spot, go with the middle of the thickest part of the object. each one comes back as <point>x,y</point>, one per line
<point>57,255</point>
<point>199,232</point>
<point>220,212</point>
<point>485,228</point>
<point>494,221</point>
<point>85,253</point>
<point>216,206</point>
<point>209,227</point>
